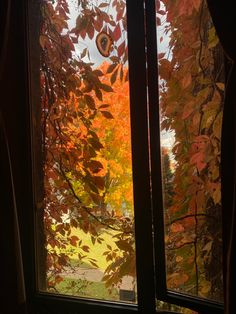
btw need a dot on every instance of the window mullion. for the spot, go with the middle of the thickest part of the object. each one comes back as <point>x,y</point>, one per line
<point>155,153</point>
<point>140,148</point>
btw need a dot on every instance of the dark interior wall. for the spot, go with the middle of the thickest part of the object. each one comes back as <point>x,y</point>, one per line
<point>14,110</point>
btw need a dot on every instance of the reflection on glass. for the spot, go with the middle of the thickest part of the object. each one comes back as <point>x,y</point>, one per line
<point>87,208</point>
<point>191,86</point>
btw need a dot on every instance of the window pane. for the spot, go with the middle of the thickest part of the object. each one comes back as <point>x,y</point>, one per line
<point>86,218</point>
<point>191,87</point>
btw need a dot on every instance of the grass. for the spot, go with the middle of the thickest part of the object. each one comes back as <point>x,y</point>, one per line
<point>95,252</point>
<point>83,288</point>
<point>80,286</point>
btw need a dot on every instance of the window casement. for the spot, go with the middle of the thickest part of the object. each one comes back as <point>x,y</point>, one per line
<point>129,92</point>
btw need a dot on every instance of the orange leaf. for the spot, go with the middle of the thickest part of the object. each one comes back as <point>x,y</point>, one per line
<point>186,81</point>
<point>176,227</point>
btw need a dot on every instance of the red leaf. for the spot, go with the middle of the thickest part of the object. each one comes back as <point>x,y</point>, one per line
<point>103,5</point>
<point>98,24</point>
<point>161,55</point>
<point>119,14</point>
<point>117,32</point>
<point>161,12</point>
<point>158,21</point>
<point>121,49</point>
<point>198,160</point>
<point>85,248</point>
<point>91,32</point>
<point>58,279</point>
<point>73,240</point>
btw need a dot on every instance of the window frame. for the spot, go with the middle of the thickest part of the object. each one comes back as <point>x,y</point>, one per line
<point>181,299</point>
<point>151,284</point>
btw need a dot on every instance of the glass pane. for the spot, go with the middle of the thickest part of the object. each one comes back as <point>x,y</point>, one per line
<point>191,87</point>
<point>86,218</point>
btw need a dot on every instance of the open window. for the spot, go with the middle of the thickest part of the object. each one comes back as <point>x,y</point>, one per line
<point>126,115</point>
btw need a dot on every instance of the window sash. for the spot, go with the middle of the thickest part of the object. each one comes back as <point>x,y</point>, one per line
<point>162,293</point>
<point>199,304</point>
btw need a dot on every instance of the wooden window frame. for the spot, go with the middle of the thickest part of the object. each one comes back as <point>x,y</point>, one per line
<point>151,283</point>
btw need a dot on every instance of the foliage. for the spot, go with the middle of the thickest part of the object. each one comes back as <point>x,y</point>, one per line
<point>86,141</point>
<point>191,98</point>
<point>87,155</point>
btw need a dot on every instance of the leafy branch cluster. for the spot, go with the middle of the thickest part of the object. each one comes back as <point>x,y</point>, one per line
<point>87,173</point>
<point>191,99</point>
<point>86,141</point>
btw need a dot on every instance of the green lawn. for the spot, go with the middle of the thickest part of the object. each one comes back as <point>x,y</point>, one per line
<point>82,287</point>
<point>95,290</point>
<point>95,252</point>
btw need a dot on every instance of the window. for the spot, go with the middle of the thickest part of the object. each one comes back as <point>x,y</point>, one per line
<point>126,113</point>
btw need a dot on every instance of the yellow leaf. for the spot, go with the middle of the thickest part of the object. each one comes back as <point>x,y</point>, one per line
<point>217,126</point>
<point>208,246</point>
<point>178,259</point>
<point>204,290</point>
<point>221,86</point>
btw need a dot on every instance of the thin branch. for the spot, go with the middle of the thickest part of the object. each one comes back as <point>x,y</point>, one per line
<point>85,208</point>
<point>181,245</point>
<point>201,39</point>
<point>189,216</point>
